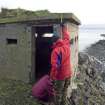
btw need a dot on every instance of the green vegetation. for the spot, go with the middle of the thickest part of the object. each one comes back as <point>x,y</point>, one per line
<point>8,13</point>
<point>15,93</point>
<point>17,15</point>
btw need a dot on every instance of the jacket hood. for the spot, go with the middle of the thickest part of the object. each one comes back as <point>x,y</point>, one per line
<point>58,43</point>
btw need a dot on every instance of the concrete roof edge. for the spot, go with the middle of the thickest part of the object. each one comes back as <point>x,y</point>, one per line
<point>51,16</point>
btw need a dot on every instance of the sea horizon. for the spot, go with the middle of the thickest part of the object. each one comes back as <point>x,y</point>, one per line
<point>90,34</point>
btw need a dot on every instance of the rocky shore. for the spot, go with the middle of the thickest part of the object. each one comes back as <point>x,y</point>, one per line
<point>97,50</point>
<point>91,78</point>
<point>91,88</point>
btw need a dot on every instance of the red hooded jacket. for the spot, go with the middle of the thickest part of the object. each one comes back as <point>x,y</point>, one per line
<point>60,58</point>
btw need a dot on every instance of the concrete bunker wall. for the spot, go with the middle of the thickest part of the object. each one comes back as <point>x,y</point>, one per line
<point>14,52</point>
<point>17,50</point>
<point>73,29</point>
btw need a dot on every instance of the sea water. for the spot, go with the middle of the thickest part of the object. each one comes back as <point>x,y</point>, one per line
<point>89,36</point>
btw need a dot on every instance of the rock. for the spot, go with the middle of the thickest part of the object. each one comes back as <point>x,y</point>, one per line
<point>98,51</point>
<point>91,88</point>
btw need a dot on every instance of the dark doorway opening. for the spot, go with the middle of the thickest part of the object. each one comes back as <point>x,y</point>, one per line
<point>43,42</point>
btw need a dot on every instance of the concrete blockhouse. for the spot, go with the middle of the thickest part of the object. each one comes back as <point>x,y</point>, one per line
<point>25,44</point>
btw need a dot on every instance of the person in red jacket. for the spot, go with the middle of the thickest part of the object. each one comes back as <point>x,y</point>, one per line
<point>61,67</point>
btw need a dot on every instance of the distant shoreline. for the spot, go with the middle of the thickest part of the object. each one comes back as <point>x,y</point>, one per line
<point>97,50</point>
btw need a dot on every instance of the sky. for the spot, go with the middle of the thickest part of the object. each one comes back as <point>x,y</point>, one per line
<point>88,11</point>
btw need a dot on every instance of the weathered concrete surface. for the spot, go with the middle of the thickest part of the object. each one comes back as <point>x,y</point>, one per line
<point>14,58</point>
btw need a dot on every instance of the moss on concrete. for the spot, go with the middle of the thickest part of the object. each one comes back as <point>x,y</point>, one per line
<point>20,15</point>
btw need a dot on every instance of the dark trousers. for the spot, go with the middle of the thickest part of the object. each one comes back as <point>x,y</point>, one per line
<point>61,87</point>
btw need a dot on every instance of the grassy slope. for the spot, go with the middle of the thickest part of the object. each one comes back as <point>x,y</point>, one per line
<point>15,93</point>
